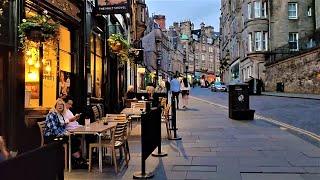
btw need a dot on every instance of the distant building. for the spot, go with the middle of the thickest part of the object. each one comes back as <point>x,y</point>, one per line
<point>253,31</point>
<point>206,50</point>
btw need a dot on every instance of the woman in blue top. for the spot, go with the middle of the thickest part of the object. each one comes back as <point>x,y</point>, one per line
<point>55,123</point>
<point>56,130</point>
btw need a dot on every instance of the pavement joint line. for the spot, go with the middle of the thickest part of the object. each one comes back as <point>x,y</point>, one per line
<point>270,120</point>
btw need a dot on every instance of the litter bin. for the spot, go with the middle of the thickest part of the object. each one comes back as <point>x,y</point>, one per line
<point>239,102</point>
<point>280,87</point>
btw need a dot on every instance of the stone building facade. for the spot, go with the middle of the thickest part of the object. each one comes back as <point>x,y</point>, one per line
<point>300,74</point>
<point>206,59</point>
<point>253,30</point>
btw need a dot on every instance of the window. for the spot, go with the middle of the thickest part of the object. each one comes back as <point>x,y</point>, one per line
<point>203,47</point>
<point>96,65</point>
<point>265,41</point>
<point>142,15</point>
<point>293,10</point>
<point>257,9</point>
<point>264,10</point>
<point>210,49</point>
<point>293,41</point>
<point>309,11</point>
<point>249,11</point>
<point>250,42</point>
<point>203,57</point>
<point>258,42</point>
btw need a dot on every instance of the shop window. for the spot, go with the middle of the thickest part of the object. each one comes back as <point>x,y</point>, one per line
<point>41,68</point>
<point>96,65</point>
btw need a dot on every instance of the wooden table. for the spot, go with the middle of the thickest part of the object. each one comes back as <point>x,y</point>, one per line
<point>131,111</point>
<point>96,128</point>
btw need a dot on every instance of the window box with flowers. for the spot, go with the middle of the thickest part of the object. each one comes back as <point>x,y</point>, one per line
<point>38,28</point>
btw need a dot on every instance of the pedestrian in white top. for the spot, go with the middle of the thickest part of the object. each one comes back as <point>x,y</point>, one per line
<point>185,88</point>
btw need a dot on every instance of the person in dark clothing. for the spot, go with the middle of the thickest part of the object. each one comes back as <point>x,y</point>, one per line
<point>130,93</point>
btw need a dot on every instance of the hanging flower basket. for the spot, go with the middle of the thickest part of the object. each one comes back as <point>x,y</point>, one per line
<point>38,28</point>
<point>119,46</point>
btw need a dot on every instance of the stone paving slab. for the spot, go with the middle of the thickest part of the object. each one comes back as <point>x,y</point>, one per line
<point>215,147</point>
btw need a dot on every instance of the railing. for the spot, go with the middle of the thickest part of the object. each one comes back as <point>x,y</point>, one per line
<point>305,44</point>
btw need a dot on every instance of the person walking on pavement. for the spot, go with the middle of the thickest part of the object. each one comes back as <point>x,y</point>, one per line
<point>185,88</point>
<point>175,89</point>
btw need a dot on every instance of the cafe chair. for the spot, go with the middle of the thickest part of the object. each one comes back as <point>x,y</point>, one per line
<point>165,118</point>
<point>42,127</point>
<point>117,141</point>
<point>101,111</point>
<point>96,114</point>
<point>128,102</point>
<point>138,105</point>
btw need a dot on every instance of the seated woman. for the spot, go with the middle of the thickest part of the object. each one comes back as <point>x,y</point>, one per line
<point>130,93</point>
<point>56,130</point>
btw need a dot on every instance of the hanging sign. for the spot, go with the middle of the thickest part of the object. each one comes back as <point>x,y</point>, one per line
<point>113,6</point>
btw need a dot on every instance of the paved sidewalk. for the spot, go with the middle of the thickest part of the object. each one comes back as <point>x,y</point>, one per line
<point>215,147</point>
<point>292,95</point>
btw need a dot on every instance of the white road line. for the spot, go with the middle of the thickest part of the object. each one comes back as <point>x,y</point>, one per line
<point>270,120</point>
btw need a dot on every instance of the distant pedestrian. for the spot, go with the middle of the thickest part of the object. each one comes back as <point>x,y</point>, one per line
<point>175,89</point>
<point>185,88</point>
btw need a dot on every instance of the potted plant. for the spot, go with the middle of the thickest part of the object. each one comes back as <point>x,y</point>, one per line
<point>38,28</point>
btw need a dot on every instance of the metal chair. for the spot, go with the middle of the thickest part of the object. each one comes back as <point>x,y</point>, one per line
<point>117,141</point>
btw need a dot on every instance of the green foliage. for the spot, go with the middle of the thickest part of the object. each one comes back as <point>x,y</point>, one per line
<point>42,23</point>
<point>119,46</point>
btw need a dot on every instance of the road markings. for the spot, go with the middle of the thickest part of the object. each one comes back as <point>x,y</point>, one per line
<point>270,120</point>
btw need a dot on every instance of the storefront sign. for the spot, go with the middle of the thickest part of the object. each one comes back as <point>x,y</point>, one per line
<point>67,7</point>
<point>113,6</point>
<point>4,21</point>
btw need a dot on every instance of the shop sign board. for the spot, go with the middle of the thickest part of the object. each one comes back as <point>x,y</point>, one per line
<point>67,7</point>
<point>113,6</point>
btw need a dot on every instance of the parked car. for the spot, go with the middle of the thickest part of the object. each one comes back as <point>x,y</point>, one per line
<point>219,86</point>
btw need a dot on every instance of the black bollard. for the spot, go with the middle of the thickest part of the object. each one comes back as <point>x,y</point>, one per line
<point>160,153</point>
<point>173,120</point>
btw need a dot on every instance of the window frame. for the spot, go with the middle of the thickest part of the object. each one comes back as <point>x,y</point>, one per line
<point>296,41</point>
<point>296,10</point>
<point>249,10</point>
<point>258,41</point>
<point>250,42</point>
<point>257,9</point>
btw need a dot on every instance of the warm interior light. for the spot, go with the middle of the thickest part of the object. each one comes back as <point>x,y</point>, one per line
<point>29,53</point>
<point>141,70</point>
<point>32,76</point>
<point>37,65</point>
<point>43,60</point>
<point>48,68</point>
<point>30,61</point>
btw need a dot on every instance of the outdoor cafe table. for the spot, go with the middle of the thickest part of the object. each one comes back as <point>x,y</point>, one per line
<point>96,128</point>
<point>131,111</point>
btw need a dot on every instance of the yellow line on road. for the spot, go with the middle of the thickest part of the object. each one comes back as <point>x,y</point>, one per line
<point>270,120</point>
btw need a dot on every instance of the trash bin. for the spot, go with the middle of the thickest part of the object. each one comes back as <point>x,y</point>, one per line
<point>239,102</point>
<point>280,87</point>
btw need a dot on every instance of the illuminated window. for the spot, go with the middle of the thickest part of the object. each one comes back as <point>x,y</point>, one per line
<point>96,65</point>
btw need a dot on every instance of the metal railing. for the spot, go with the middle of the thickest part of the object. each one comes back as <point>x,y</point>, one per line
<point>305,44</point>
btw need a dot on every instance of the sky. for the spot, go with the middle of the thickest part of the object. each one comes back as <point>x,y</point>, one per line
<point>207,11</point>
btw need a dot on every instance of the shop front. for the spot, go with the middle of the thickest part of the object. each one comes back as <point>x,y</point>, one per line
<point>49,59</point>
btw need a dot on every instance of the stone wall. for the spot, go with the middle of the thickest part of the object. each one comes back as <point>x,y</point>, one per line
<point>300,74</point>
